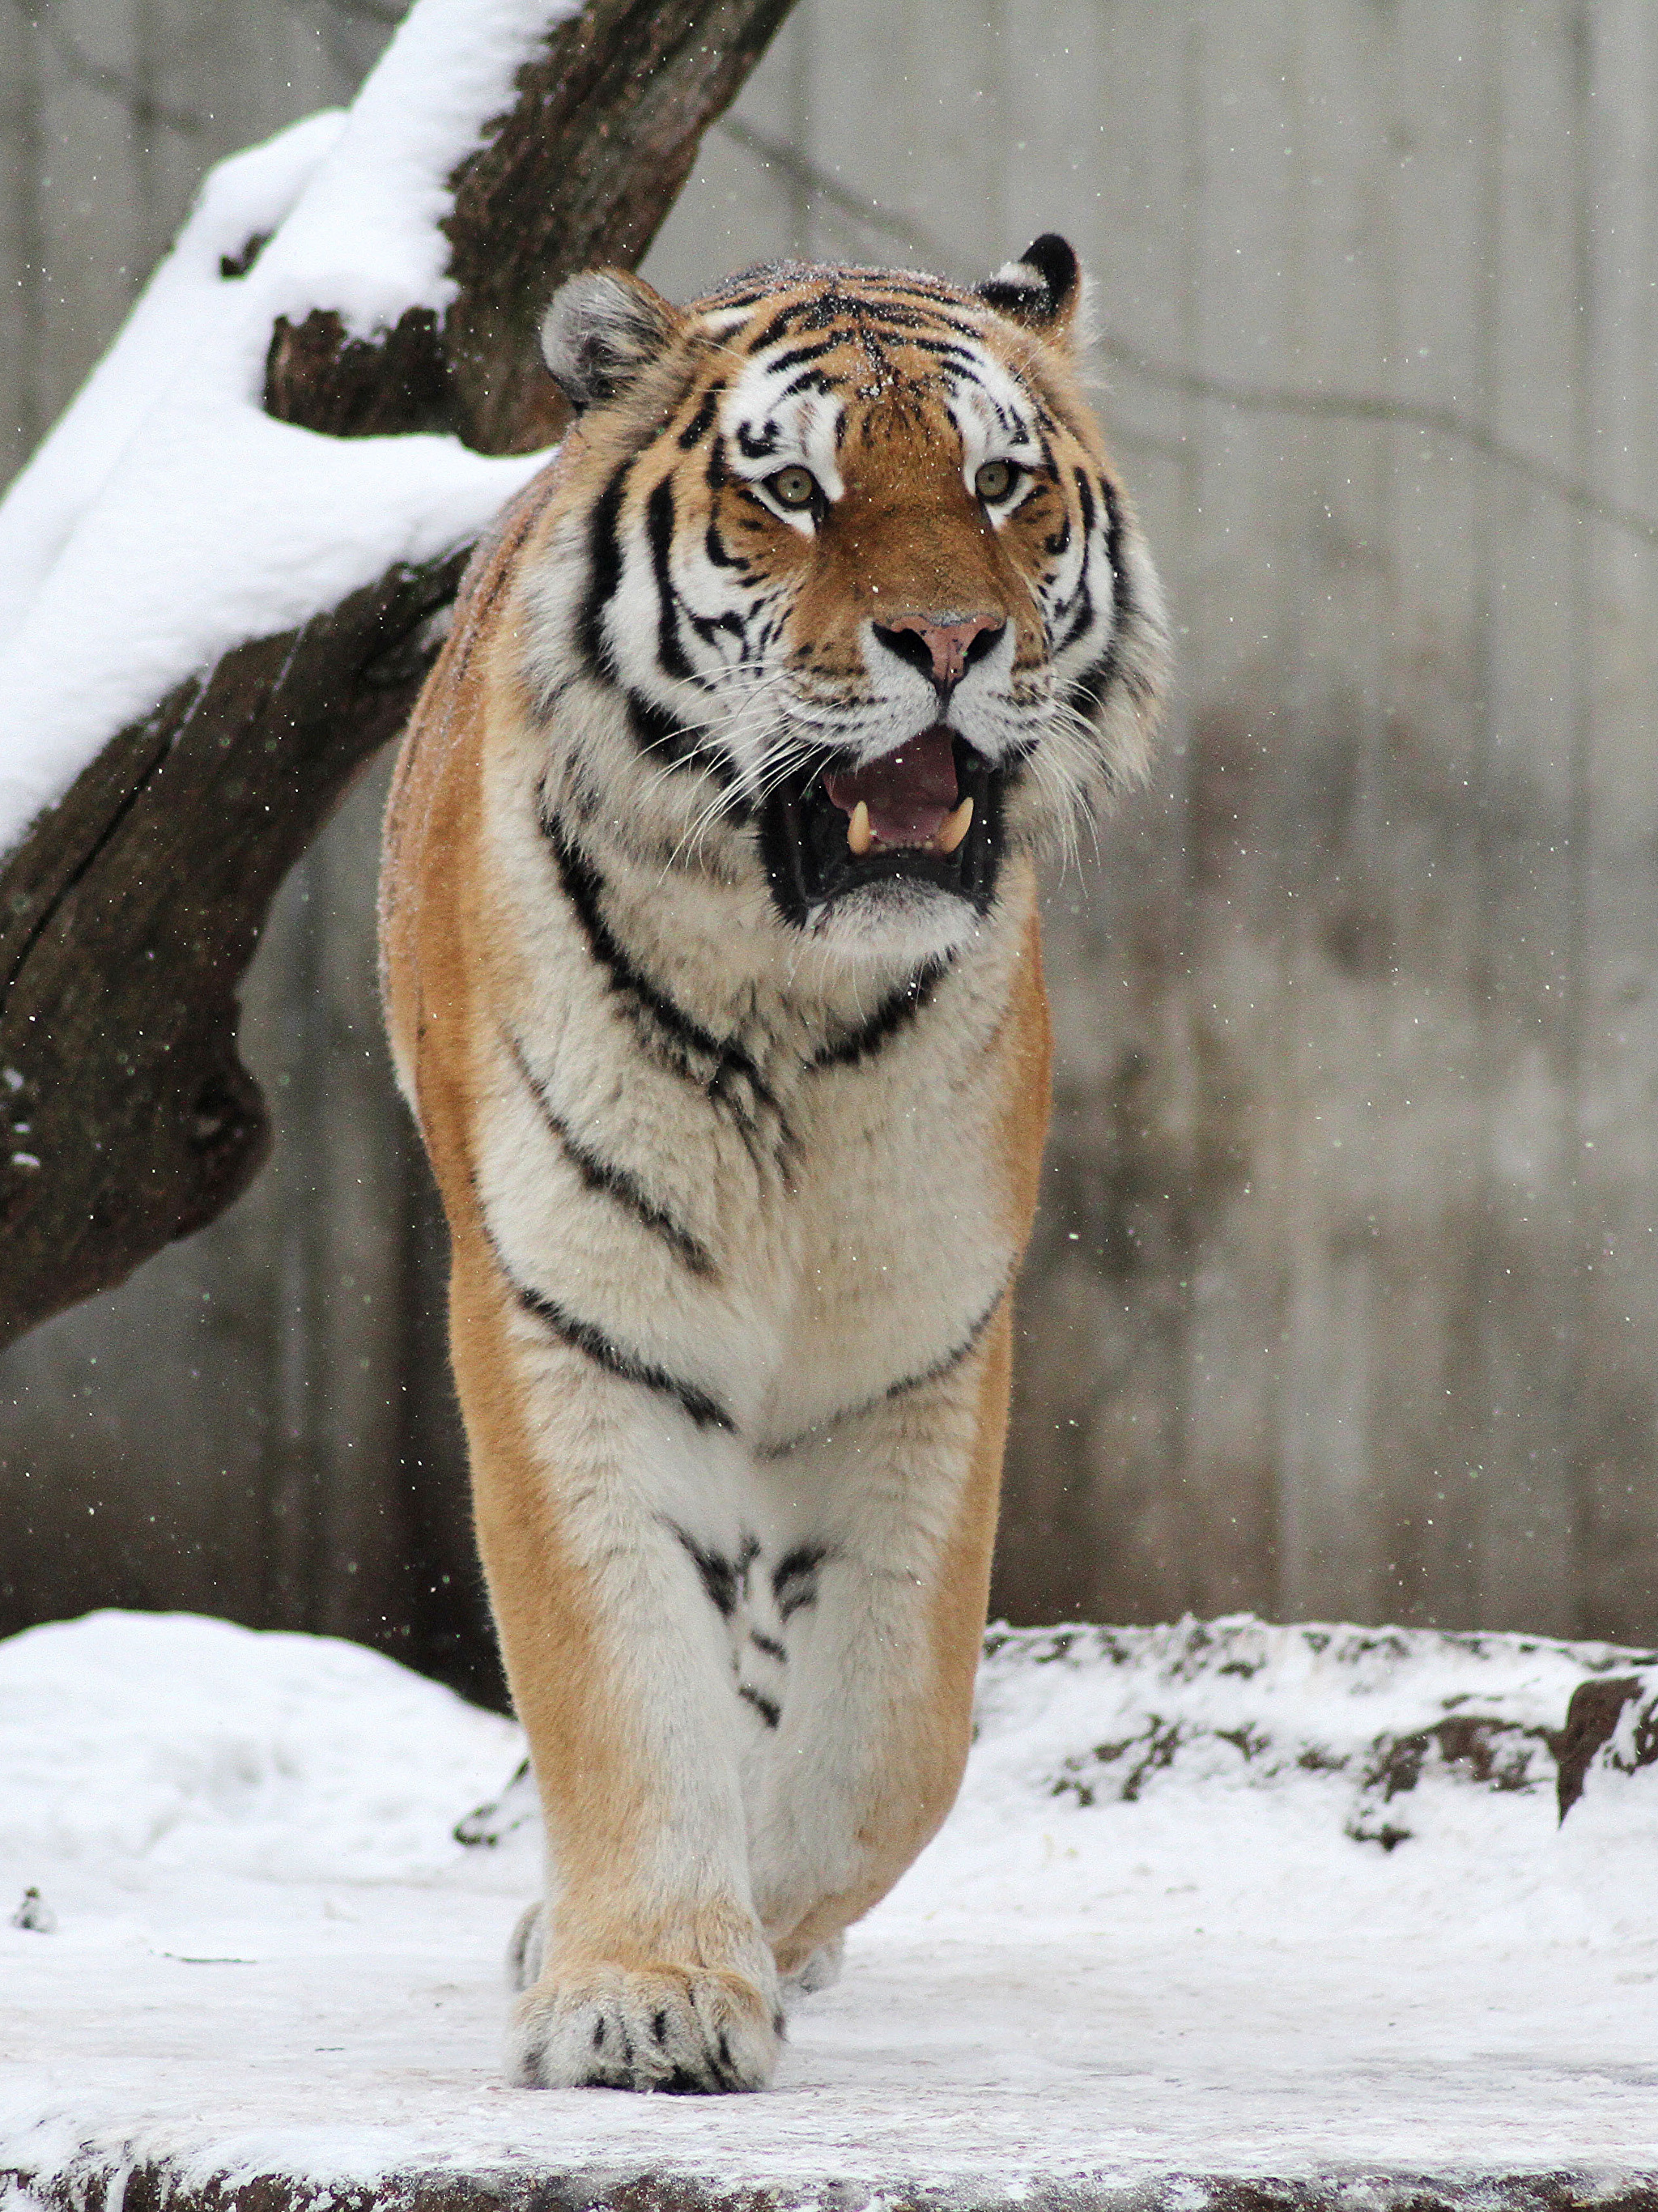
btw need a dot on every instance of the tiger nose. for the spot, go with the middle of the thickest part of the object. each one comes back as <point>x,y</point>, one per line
<point>940,649</point>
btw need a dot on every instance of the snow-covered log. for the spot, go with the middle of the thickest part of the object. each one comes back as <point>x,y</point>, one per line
<point>221,577</point>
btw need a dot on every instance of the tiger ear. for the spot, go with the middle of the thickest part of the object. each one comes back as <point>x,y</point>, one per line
<point>602,329</point>
<point>1042,289</point>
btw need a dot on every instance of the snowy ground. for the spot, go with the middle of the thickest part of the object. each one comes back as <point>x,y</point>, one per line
<point>1221,1903</point>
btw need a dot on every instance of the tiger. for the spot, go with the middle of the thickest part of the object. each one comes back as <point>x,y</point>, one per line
<point>713,977</point>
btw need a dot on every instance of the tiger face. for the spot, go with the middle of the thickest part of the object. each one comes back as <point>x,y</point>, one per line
<point>859,591</point>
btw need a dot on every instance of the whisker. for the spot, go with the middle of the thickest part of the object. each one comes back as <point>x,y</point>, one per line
<point>781,761</point>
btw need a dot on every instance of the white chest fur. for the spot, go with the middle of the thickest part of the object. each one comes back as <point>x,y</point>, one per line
<point>781,1187</point>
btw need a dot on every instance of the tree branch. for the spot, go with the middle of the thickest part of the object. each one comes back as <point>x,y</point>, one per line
<point>129,912</point>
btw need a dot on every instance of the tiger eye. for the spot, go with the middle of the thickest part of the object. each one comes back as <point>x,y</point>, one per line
<point>793,487</point>
<point>994,481</point>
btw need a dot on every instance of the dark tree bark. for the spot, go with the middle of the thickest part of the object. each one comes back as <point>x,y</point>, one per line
<point>129,912</point>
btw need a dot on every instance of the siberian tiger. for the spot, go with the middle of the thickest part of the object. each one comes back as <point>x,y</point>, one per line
<point>712,977</point>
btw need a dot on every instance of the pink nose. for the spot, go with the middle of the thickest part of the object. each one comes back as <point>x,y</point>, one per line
<point>947,642</point>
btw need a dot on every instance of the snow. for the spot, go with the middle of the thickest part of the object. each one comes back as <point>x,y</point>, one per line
<point>167,518</point>
<point>1152,1942</point>
<point>364,236</point>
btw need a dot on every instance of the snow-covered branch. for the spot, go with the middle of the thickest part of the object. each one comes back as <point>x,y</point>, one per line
<point>219,576</point>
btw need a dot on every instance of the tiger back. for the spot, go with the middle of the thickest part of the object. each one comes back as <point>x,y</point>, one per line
<point>713,977</point>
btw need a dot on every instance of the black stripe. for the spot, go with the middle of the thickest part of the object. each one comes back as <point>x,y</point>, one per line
<point>659,524</point>
<point>1085,494</point>
<point>722,1579</point>
<point>547,700</point>
<point>798,357</point>
<point>894,316</point>
<point>586,1336</point>
<point>768,1708</point>
<point>1088,691</point>
<point>828,308</point>
<point>769,1644</point>
<point>759,448</point>
<point>898,323</point>
<point>704,416</point>
<point>730,624</point>
<point>780,325</point>
<point>901,1387</point>
<point>1122,592</point>
<point>655,730</point>
<point>946,350</point>
<point>1009,424</point>
<point>809,379</point>
<point>895,1013</point>
<point>603,574</point>
<point>665,737</point>
<point>794,1581</point>
<point>715,546</point>
<point>723,1065</point>
<point>1084,615</point>
<point>605,1178</point>
<point>584,887</point>
<point>968,342</point>
<point>952,1358</point>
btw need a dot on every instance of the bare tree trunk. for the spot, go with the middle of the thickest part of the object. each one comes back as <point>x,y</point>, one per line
<point>129,912</point>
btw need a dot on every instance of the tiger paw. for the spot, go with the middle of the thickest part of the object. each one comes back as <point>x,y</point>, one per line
<point>684,2030</point>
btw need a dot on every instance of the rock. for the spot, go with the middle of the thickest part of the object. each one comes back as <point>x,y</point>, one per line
<point>35,1913</point>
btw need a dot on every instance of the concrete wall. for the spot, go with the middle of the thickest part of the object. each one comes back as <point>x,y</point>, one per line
<point>1345,1297</point>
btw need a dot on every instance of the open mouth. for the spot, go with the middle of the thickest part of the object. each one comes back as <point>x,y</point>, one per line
<point>928,813</point>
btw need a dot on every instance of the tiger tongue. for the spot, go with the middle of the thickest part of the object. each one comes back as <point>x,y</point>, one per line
<point>908,792</point>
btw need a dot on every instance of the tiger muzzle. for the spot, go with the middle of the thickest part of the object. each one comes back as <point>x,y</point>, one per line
<point>929,813</point>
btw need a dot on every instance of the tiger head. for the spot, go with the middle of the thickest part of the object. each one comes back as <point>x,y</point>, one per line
<point>853,583</point>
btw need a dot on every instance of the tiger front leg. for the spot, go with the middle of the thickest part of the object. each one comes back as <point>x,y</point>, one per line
<point>874,1714</point>
<point>648,1968</point>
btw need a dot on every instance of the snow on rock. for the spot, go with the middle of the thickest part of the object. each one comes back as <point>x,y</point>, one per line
<point>1222,1905</point>
<point>1387,1715</point>
<point>167,518</point>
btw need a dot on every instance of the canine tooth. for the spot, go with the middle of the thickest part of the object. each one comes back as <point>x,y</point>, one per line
<point>955,827</point>
<point>860,835</point>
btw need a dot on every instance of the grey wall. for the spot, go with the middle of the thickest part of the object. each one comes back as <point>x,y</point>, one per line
<point>1343,1300</point>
